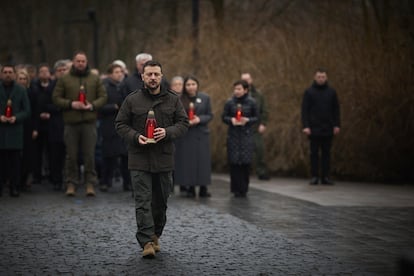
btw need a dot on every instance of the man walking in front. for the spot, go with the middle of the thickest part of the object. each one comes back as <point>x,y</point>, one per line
<point>151,164</point>
<point>321,121</point>
<point>79,94</point>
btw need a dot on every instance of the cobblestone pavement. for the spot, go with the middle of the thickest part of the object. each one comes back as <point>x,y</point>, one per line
<point>46,233</point>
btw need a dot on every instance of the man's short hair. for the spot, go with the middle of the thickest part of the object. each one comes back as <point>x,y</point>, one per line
<point>151,63</point>
<point>8,66</point>
<point>320,70</point>
<point>142,56</point>
<point>41,65</point>
<point>61,63</point>
<point>79,52</point>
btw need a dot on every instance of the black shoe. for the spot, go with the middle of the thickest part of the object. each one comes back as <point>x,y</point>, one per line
<point>239,195</point>
<point>263,177</point>
<point>14,192</point>
<point>327,181</point>
<point>203,192</point>
<point>103,188</point>
<point>191,192</point>
<point>57,186</point>
<point>314,181</point>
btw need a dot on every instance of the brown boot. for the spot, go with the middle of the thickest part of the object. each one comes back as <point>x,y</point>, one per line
<point>156,243</point>
<point>148,251</point>
<point>90,190</point>
<point>70,189</point>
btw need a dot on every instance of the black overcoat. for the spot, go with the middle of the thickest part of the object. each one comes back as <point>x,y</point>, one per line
<point>193,157</point>
<point>112,143</point>
<point>240,142</point>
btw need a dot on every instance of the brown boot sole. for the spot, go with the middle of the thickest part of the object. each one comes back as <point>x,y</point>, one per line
<point>148,252</point>
<point>149,256</point>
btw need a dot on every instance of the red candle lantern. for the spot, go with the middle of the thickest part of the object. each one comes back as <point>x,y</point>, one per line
<point>239,113</point>
<point>82,94</point>
<point>191,111</point>
<point>9,111</point>
<point>150,126</point>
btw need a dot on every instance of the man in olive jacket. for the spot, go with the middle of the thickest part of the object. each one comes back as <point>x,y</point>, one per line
<point>151,164</point>
<point>11,128</point>
<point>80,120</point>
<point>259,128</point>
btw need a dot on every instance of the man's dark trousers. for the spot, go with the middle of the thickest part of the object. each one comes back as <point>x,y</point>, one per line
<point>322,143</point>
<point>151,192</point>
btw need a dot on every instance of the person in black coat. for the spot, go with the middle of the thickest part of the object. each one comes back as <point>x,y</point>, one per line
<point>240,142</point>
<point>192,155</point>
<point>113,147</point>
<point>50,126</point>
<point>43,87</point>
<point>321,121</point>
<point>29,134</point>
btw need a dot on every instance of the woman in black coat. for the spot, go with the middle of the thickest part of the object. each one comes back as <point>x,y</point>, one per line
<point>240,143</point>
<point>192,157</point>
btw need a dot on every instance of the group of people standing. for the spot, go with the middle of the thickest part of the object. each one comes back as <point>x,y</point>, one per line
<point>193,160</point>
<point>32,128</point>
<point>158,130</point>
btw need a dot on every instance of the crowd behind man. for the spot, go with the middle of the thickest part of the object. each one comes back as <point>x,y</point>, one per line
<point>55,133</point>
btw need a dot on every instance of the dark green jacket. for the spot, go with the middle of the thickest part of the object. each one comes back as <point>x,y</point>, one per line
<point>11,135</point>
<point>130,123</point>
<point>261,106</point>
<point>67,90</point>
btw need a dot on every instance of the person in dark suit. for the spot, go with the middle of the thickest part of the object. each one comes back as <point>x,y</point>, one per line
<point>321,121</point>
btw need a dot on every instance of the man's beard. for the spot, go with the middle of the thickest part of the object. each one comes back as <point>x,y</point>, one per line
<point>7,81</point>
<point>80,70</point>
<point>152,88</point>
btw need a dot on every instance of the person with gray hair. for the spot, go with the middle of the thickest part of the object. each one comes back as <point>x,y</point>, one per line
<point>60,68</point>
<point>134,81</point>
<point>123,67</point>
<point>177,84</point>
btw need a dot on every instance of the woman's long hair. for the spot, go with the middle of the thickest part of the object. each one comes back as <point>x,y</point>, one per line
<point>185,97</point>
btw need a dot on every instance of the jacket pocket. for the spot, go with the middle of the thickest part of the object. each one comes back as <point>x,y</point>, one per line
<point>139,117</point>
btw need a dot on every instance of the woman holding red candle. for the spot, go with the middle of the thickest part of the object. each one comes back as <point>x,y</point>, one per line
<point>240,113</point>
<point>193,160</point>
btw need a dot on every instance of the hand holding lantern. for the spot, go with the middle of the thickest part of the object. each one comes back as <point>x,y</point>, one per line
<point>82,94</point>
<point>150,126</point>
<point>9,110</point>
<point>191,112</point>
<point>239,113</point>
